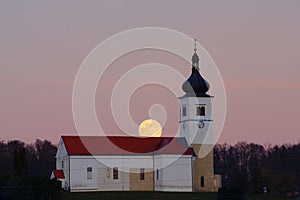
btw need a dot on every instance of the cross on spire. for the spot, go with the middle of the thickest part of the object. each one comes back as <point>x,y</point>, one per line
<point>195,58</point>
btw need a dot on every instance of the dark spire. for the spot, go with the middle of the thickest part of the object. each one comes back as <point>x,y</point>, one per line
<point>195,85</point>
<point>195,58</point>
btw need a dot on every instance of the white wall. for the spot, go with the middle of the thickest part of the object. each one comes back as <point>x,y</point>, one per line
<point>62,155</point>
<point>109,184</point>
<point>191,132</point>
<point>78,173</point>
<point>99,165</point>
<point>174,177</point>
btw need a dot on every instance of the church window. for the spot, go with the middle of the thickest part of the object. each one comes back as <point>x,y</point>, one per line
<point>142,174</point>
<point>202,181</point>
<point>89,171</point>
<point>184,111</point>
<point>200,110</point>
<point>108,173</point>
<point>157,174</point>
<point>115,173</point>
<point>62,164</point>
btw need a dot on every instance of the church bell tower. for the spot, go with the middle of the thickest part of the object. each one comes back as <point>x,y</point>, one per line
<point>196,125</point>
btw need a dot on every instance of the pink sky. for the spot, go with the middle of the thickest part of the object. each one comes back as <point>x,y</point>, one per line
<point>255,44</point>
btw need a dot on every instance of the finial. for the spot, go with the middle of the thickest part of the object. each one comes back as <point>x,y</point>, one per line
<point>195,58</point>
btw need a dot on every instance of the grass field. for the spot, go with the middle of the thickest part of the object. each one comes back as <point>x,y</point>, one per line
<point>154,196</point>
<point>139,196</point>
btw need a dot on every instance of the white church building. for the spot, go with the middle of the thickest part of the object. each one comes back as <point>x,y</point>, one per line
<point>117,163</point>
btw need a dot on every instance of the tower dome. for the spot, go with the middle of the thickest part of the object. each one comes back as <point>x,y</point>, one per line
<point>195,85</point>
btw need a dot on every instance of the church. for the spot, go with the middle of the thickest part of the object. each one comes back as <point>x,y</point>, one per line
<point>124,163</point>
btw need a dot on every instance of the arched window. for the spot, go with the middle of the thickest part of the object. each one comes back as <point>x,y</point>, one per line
<point>142,174</point>
<point>115,173</point>
<point>202,111</point>
<point>202,181</point>
<point>184,111</point>
<point>89,171</point>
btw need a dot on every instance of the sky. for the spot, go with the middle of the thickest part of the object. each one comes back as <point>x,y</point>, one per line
<point>255,45</point>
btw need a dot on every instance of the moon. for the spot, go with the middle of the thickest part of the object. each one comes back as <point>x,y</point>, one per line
<point>150,128</point>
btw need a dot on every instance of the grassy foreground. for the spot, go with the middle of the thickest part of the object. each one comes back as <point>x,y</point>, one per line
<point>139,195</point>
<point>157,196</point>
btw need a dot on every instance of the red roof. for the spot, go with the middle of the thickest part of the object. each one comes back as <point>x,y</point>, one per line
<point>59,174</point>
<point>119,145</point>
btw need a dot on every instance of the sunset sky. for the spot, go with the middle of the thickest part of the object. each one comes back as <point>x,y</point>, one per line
<point>255,45</point>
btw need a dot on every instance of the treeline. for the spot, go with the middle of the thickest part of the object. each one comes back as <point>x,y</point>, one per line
<point>25,170</point>
<point>252,168</point>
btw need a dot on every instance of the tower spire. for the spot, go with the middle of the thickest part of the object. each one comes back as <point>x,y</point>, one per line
<point>195,58</point>
<point>195,85</point>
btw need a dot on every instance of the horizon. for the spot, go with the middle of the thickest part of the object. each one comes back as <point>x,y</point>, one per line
<point>265,145</point>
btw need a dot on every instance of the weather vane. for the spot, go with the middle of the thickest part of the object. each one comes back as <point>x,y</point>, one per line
<point>195,49</point>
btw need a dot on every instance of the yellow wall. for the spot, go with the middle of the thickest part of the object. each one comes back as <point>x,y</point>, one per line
<point>204,167</point>
<point>137,184</point>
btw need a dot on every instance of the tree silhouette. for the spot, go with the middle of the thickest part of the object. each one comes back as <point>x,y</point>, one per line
<point>20,163</point>
<point>248,168</point>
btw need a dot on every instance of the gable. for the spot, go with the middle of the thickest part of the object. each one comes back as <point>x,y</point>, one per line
<point>61,150</point>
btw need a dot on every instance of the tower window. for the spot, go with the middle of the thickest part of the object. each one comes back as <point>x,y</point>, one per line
<point>200,110</point>
<point>202,181</point>
<point>184,111</point>
<point>89,171</point>
<point>157,174</point>
<point>115,173</point>
<point>142,174</point>
<point>108,173</point>
<point>62,164</point>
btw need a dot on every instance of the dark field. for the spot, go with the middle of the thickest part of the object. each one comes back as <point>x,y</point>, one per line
<point>138,195</point>
<point>156,196</point>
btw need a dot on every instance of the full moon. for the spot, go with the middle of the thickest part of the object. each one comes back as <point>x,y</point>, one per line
<point>150,128</point>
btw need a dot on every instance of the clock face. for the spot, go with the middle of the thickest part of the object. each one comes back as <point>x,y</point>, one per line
<point>200,124</point>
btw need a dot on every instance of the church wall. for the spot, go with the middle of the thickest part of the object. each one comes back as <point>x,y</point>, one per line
<point>203,167</point>
<point>175,174</point>
<point>78,173</point>
<point>191,111</point>
<point>189,123</point>
<point>129,173</point>
<point>136,184</point>
<point>62,163</point>
<point>108,183</point>
<point>100,179</point>
<point>126,165</point>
